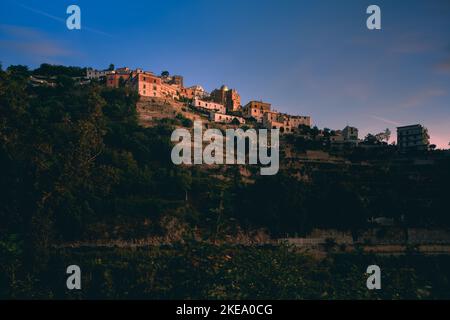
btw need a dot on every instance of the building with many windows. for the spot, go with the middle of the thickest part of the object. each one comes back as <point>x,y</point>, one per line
<point>413,137</point>
<point>350,134</point>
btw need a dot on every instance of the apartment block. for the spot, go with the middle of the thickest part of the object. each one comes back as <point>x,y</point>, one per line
<point>350,133</point>
<point>413,137</point>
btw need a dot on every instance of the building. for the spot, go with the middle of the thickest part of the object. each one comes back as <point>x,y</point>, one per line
<point>177,80</point>
<point>275,120</point>
<point>350,134</point>
<point>97,74</point>
<point>194,92</point>
<point>147,84</point>
<point>124,70</point>
<point>40,81</point>
<point>228,97</point>
<point>225,118</point>
<point>209,105</point>
<point>285,123</point>
<point>297,121</point>
<point>144,82</point>
<point>256,109</point>
<point>337,138</point>
<point>115,78</point>
<point>413,137</point>
<point>173,80</point>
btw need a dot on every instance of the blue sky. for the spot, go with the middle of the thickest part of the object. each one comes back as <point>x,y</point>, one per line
<point>311,57</point>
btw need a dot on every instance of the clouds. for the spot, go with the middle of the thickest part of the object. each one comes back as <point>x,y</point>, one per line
<point>388,121</point>
<point>32,44</point>
<point>422,97</point>
<point>412,43</point>
<point>443,66</point>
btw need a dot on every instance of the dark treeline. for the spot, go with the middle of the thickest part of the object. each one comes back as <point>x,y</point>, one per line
<point>49,70</point>
<point>203,271</point>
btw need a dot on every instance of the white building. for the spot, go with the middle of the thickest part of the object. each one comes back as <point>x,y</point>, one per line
<point>198,92</point>
<point>225,118</point>
<point>212,106</point>
<point>96,74</point>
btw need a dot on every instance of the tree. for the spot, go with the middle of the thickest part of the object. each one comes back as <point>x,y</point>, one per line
<point>303,129</point>
<point>18,71</point>
<point>235,121</point>
<point>111,67</point>
<point>371,139</point>
<point>165,74</point>
<point>384,136</point>
<point>49,70</point>
<point>387,133</point>
<point>314,131</point>
<point>122,82</point>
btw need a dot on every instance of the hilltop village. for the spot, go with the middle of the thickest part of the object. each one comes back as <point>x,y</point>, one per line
<point>165,96</point>
<point>223,105</point>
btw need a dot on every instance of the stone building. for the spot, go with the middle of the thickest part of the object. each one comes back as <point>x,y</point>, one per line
<point>256,109</point>
<point>97,74</point>
<point>146,83</point>
<point>286,123</point>
<point>225,118</point>
<point>149,85</point>
<point>115,78</point>
<point>296,121</point>
<point>208,105</point>
<point>228,97</point>
<point>194,92</point>
<point>173,80</point>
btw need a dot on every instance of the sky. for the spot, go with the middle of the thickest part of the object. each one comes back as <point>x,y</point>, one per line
<point>310,57</point>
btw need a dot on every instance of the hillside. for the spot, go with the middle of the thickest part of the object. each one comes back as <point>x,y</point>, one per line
<point>87,169</point>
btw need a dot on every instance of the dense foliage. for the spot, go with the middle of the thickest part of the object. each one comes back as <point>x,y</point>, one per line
<point>201,271</point>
